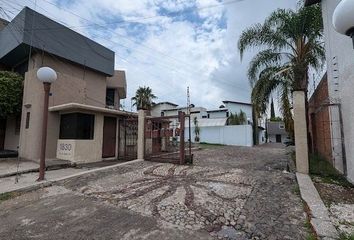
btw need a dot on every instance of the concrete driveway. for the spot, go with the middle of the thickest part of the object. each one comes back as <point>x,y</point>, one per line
<point>230,193</point>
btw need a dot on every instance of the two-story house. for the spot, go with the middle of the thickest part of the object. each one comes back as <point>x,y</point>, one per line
<point>84,122</point>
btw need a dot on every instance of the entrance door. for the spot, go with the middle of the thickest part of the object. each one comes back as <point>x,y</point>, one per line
<point>278,138</point>
<point>2,133</point>
<point>109,137</point>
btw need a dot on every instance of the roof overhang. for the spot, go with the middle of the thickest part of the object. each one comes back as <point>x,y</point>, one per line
<point>241,103</point>
<point>89,108</point>
<point>32,29</point>
<point>218,110</point>
<point>311,2</point>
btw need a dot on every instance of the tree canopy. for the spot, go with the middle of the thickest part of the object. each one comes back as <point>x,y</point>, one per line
<point>290,43</point>
<point>11,91</point>
<point>143,98</point>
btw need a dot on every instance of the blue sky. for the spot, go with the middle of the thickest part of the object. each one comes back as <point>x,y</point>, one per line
<point>169,44</point>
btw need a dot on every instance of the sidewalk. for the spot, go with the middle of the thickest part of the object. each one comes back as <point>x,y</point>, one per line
<point>8,184</point>
<point>27,181</point>
<point>8,167</point>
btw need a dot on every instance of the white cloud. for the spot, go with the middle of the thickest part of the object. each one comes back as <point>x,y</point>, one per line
<point>169,52</point>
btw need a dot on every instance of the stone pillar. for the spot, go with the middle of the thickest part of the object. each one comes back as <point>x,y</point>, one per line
<point>300,127</point>
<point>141,133</point>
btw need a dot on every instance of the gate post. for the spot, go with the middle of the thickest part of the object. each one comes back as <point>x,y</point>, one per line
<point>141,134</point>
<point>182,156</point>
<point>300,127</point>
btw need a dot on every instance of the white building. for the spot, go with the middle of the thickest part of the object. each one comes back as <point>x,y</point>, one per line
<point>276,132</point>
<point>157,109</point>
<point>235,107</point>
<point>340,70</point>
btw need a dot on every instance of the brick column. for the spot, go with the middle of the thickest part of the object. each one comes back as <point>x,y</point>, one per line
<point>302,161</point>
<point>141,134</point>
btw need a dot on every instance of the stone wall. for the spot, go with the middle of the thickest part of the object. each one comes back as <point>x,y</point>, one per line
<point>319,121</point>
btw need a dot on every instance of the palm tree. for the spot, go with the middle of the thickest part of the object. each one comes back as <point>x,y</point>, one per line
<point>291,44</point>
<point>143,98</point>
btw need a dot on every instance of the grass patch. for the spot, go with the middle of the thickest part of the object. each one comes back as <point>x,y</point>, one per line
<point>7,196</point>
<point>311,235</point>
<point>324,169</point>
<point>343,236</point>
<point>296,190</point>
<point>205,145</point>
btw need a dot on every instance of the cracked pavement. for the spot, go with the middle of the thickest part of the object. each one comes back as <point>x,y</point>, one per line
<point>229,193</point>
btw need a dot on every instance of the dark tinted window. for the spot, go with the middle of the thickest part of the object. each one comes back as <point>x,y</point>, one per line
<point>77,126</point>
<point>110,97</point>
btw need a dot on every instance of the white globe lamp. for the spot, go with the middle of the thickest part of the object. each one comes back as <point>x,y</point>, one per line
<point>343,18</point>
<point>46,75</point>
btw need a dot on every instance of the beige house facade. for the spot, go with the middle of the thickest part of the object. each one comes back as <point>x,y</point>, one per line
<point>85,123</point>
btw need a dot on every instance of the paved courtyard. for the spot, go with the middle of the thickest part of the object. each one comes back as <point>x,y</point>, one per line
<point>229,193</point>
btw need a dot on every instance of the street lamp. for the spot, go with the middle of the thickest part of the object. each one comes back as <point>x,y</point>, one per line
<point>343,18</point>
<point>47,76</point>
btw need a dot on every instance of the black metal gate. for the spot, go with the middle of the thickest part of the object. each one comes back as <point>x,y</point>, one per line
<point>165,139</point>
<point>128,138</point>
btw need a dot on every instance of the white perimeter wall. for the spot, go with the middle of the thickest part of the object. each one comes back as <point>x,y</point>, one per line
<point>238,135</point>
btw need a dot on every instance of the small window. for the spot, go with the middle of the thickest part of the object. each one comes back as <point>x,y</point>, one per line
<point>162,114</point>
<point>28,116</point>
<point>208,115</point>
<point>77,126</point>
<point>110,94</point>
<point>227,114</point>
<point>281,126</point>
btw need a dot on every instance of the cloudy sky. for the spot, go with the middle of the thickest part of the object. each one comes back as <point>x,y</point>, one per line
<point>168,44</point>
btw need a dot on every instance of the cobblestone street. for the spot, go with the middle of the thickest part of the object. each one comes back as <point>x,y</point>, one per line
<point>230,193</point>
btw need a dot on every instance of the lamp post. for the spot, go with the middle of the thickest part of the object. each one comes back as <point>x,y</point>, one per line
<point>343,18</point>
<point>47,76</point>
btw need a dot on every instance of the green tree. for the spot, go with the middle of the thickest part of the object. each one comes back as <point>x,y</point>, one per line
<point>238,118</point>
<point>290,45</point>
<point>143,98</point>
<point>196,130</point>
<point>11,89</point>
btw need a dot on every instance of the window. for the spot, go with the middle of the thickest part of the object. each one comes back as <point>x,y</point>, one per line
<point>110,93</point>
<point>281,126</point>
<point>77,126</point>
<point>28,115</point>
<point>208,115</point>
<point>227,114</point>
<point>162,114</point>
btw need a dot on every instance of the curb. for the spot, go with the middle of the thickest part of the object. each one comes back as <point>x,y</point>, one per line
<point>48,183</point>
<point>319,217</point>
<point>31,170</point>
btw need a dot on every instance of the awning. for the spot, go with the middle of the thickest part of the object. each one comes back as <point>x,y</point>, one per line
<point>83,107</point>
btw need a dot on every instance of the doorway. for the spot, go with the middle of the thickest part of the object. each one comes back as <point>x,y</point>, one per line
<point>278,138</point>
<point>109,137</point>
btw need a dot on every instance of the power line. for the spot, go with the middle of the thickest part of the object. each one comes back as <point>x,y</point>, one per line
<point>177,71</point>
<point>134,41</point>
<point>165,65</point>
<point>137,20</point>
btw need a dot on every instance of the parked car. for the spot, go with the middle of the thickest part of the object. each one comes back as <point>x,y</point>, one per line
<point>289,142</point>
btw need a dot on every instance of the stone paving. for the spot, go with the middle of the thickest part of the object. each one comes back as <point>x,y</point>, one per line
<point>230,193</point>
